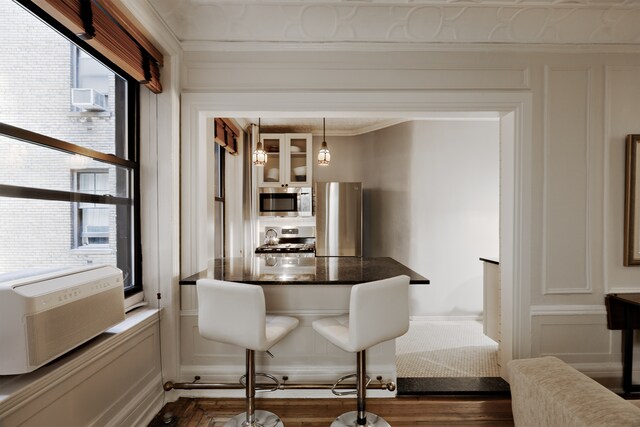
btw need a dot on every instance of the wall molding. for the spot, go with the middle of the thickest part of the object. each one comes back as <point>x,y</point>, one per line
<point>577,334</point>
<point>266,46</point>
<point>623,289</point>
<point>567,310</point>
<point>547,288</point>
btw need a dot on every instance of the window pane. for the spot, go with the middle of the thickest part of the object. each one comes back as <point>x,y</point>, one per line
<point>219,229</point>
<point>49,86</point>
<point>41,234</point>
<point>27,165</point>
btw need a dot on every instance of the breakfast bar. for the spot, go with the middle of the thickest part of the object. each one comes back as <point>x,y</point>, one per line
<point>276,270</point>
<point>308,288</point>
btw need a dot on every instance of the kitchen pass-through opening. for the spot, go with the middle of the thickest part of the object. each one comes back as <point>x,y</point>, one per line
<point>508,236</point>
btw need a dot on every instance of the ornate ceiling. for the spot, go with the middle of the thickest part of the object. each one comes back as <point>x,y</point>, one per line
<point>599,22</point>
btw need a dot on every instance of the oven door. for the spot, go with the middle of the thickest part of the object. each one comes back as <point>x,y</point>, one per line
<point>278,203</point>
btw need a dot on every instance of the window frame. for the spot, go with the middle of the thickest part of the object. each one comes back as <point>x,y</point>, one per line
<point>78,220</point>
<point>130,111</point>
<point>219,197</point>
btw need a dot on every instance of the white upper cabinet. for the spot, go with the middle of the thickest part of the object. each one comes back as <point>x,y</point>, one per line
<point>288,160</point>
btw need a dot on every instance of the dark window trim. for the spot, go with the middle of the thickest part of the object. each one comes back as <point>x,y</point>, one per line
<point>133,134</point>
<point>18,192</point>
<point>220,183</point>
<point>66,147</point>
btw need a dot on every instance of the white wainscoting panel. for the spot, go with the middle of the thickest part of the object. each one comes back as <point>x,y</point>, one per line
<point>566,181</point>
<point>114,380</point>
<point>576,334</point>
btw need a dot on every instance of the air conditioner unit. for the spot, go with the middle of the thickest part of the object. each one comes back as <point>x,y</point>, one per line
<point>47,315</point>
<point>88,99</point>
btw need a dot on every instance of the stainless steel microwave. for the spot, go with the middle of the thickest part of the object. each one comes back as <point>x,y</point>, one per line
<point>289,201</point>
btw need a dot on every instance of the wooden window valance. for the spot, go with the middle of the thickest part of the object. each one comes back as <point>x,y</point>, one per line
<point>226,134</point>
<point>107,29</point>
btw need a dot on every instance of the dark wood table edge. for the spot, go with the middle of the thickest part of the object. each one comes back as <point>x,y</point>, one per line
<point>626,322</point>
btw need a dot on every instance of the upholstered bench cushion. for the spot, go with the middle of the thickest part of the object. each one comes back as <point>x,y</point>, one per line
<point>547,392</point>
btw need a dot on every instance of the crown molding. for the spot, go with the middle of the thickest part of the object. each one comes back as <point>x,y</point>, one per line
<point>212,46</point>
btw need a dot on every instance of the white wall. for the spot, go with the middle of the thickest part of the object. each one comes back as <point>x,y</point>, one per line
<point>433,201</point>
<point>346,159</point>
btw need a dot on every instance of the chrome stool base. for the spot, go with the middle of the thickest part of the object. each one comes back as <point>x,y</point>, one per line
<point>348,419</point>
<point>263,419</point>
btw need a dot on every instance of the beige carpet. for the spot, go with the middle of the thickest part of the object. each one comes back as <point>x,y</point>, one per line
<point>446,349</point>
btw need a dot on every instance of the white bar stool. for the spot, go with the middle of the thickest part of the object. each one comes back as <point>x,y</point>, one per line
<point>378,311</point>
<point>235,313</point>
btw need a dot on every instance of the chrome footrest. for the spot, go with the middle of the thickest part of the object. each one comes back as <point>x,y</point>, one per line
<point>243,381</point>
<point>350,392</point>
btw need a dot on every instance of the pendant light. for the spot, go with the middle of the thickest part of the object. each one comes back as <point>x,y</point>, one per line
<point>324,157</point>
<point>259,156</point>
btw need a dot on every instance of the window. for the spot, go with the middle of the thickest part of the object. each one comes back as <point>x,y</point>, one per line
<point>91,224</point>
<point>218,203</point>
<point>69,186</point>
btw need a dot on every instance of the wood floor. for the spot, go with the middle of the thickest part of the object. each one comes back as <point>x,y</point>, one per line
<point>448,411</point>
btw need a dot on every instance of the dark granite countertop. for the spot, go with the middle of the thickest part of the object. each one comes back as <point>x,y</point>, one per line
<point>304,270</point>
<point>491,260</point>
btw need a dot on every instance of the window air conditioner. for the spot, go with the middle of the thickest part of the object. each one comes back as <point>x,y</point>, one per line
<point>47,315</point>
<point>88,99</point>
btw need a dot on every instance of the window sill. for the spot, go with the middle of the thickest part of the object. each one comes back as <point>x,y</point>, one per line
<point>16,390</point>
<point>104,114</point>
<point>89,250</point>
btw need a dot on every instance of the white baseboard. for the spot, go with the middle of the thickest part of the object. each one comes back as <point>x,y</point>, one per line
<point>311,374</point>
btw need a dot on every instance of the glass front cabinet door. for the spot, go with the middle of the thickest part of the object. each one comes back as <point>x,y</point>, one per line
<point>288,160</point>
<point>271,174</point>
<point>299,159</point>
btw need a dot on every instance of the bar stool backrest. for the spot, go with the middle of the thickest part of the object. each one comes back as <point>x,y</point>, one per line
<point>231,313</point>
<point>378,311</point>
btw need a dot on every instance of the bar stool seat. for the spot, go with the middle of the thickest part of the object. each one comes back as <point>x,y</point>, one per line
<point>235,313</point>
<point>378,312</point>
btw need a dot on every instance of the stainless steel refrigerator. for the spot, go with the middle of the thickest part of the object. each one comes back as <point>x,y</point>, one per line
<point>338,218</point>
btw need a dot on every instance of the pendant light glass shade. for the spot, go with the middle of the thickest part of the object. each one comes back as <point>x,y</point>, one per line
<point>259,156</point>
<point>324,156</point>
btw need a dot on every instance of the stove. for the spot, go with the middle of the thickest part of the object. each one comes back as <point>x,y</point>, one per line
<point>287,248</point>
<point>291,241</point>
